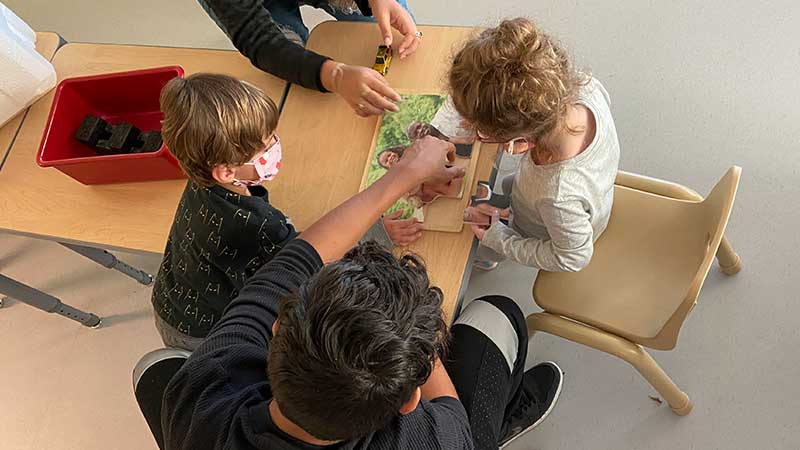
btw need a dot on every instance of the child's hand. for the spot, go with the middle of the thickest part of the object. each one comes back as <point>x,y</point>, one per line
<point>492,214</point>
<point>489,210</point>
<point>402,232</point>
<point>479,231</point>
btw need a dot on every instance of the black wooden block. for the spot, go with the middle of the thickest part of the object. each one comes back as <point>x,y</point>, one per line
<point>123,137</point>
<point>92,130</point>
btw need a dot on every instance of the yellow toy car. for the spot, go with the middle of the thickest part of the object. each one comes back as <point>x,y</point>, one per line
<point>383,59</point>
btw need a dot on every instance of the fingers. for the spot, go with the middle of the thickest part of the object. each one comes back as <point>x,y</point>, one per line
<point>463,140</point>
<point>383,18</point>
<point>410,40</point>
<point>365,109</point>
<point>380,101</point>
<point>403,232</point>
<point>489,210</point>
<point>408,227</point>
<point>379,85</point>
<point>395,215</point>
<point>473,216</point>
<point>366,91</point>
<point>456,172</point>
<point>485,208</point>
<point>478,231</point>
<point>404,241</point>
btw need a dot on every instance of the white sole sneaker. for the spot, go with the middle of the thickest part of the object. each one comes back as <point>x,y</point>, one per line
<point>485,265</point>
<point>549,408</point>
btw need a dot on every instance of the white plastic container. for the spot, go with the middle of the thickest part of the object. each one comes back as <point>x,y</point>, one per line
<point>24,74</point>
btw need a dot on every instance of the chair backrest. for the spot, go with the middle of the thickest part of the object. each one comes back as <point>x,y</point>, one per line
<point>150,378</point>
<point>710,218</point>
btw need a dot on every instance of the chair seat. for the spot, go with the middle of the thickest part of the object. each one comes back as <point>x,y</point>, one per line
<point>641,269</point>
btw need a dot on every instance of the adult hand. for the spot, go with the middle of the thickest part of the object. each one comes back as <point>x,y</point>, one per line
<point>402,232</point>
<point>427,161</point>
<point>365,90</point>
<point>390,14</point>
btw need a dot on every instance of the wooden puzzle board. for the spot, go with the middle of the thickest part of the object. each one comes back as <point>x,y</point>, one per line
<point>443,214</point>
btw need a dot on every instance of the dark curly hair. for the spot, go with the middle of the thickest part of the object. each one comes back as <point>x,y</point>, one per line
<point>355,342</point>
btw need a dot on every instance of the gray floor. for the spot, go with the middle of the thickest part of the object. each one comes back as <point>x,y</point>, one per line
<point>696,87</point>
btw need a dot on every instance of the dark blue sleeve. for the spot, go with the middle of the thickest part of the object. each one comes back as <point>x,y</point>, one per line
<point>202,397</point>
<point>249,318</point>
<point>439,424</point>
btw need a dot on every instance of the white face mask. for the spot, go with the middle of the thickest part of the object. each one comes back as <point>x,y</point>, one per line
<point>515,146</point>
<point>266,164</point>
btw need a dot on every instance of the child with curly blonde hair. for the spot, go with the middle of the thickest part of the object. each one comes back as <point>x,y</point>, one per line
<point>514,85</point>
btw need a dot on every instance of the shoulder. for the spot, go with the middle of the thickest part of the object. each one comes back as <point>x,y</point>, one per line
<point>439,424</point>
<point>594,90</point>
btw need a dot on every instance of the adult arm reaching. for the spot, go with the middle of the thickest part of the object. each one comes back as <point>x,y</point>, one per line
<point>336,232</point>
<point>263,31</point>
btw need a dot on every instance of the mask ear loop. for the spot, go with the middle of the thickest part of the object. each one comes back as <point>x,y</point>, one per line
<point>511,144</point>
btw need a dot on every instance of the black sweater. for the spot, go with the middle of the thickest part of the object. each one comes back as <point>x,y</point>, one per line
<point>220,397</point>
<point>254,33</point>
<point>218,240</point>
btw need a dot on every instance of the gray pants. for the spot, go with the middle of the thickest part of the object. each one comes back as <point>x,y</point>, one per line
<point>174,338</point>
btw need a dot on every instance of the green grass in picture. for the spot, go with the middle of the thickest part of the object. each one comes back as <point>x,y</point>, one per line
<point>392,133</point>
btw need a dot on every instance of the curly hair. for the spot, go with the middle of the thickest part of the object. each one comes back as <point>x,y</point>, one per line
<point>355,342</point>
<point>514,80</point>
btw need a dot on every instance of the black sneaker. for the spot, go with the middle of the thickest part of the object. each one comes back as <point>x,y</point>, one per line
<point>541,387</point>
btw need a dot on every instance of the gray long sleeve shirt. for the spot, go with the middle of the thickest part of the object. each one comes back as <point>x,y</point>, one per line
<point>560,209</point>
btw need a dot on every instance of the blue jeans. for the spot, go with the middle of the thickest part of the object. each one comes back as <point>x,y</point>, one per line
<point>291,22</point>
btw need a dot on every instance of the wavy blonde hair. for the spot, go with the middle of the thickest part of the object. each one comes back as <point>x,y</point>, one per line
<point>514,80</point>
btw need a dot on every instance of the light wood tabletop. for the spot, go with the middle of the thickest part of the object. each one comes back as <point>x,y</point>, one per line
<point>46,45</point>
<point>325,143</point>
<point>45,203</point>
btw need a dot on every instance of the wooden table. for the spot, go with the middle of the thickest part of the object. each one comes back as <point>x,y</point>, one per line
<point>45,203</point>
<point>326,144</point>
<point>46,45</point>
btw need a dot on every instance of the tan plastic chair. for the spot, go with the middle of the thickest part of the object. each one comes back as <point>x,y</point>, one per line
<point>645,275</point>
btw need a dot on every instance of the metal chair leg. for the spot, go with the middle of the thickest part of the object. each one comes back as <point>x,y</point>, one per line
<point>108,260</point>
<point>46,302</point>
<point>622,348</point>
<point>729,260</point>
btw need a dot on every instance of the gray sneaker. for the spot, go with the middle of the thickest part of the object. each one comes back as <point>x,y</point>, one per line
<point>485,265</point>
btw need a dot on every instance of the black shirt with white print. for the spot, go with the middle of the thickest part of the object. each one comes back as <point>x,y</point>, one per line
<point>217,241</point>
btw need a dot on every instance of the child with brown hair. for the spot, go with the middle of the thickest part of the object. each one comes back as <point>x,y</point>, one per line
<point>222,131</point>
<point>514,85</point>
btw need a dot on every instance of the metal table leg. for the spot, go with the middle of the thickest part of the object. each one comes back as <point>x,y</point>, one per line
<point>110,261</point>
<point>45,302</point>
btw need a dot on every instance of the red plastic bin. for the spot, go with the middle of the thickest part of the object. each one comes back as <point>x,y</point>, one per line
<point>116,97</point>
